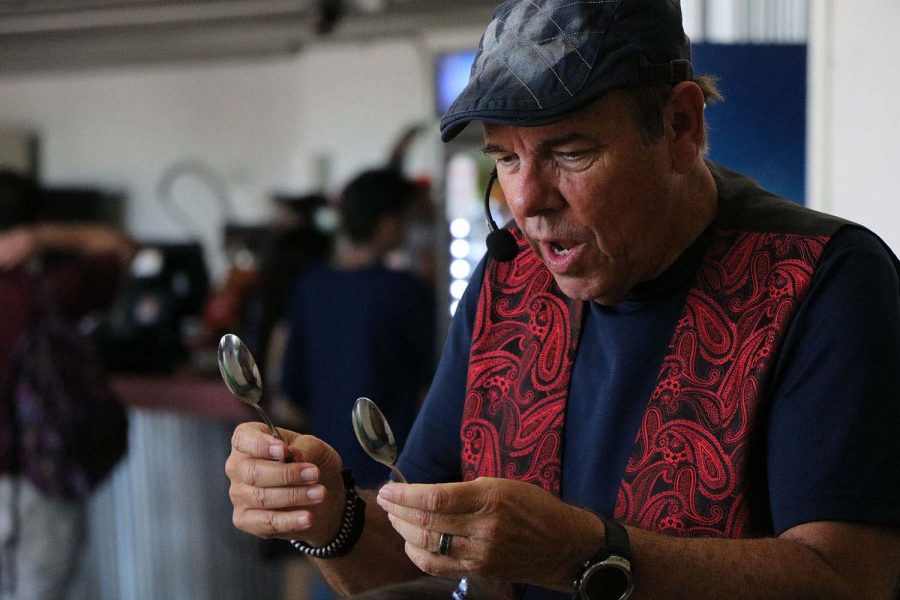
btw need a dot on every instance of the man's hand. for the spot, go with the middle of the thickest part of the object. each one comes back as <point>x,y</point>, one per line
<point>301,500</point>
<point>512,531</point>
<point>503,530</point>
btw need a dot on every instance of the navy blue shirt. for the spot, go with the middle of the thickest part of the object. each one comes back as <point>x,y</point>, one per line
<point>363,332</point>
<point>833,408</point>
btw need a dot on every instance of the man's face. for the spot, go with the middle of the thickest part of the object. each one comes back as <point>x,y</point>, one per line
<point>591,199</point>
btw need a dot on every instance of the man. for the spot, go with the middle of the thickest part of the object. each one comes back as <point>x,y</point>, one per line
<point>708,367</point>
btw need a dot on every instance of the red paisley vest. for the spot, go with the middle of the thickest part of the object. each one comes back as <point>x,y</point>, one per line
<point>695,467</point>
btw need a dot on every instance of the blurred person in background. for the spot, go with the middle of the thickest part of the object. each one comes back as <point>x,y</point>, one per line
<point>301,237</point>
<point>81,264</point>
<point>359,328</point>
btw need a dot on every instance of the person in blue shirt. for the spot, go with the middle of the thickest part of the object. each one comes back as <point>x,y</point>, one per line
<point>357,327</point>
<point>669,383</point>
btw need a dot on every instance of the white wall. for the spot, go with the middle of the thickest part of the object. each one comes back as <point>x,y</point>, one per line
<point>262,126</point>
<point>854,132</point>
<point>274,124</point>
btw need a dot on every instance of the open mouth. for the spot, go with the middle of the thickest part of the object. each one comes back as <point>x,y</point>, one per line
<point>561,248</point>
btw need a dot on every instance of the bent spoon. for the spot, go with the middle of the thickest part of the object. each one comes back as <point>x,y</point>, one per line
<point>375,435</point>
<point>241,375</point>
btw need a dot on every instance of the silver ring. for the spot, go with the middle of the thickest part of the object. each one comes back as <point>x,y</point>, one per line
<point>444,544</point>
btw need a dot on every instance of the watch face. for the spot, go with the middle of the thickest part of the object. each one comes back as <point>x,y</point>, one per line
<point>606,582</point>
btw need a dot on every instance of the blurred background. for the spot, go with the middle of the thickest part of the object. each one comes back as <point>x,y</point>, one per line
<point>210,130</point>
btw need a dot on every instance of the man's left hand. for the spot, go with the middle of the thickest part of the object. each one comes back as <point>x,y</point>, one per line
<point>503,530</point>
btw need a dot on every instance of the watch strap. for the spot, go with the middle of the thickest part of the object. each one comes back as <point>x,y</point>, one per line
<point>616,544</point>
<point>617,541</point>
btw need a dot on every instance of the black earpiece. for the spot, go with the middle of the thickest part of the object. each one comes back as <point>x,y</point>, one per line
<point>501,244</point>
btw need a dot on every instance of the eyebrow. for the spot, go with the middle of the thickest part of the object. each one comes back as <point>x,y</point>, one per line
<point>544,144</point>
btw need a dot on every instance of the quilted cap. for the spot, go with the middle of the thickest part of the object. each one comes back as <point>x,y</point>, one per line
<point>541,60</point>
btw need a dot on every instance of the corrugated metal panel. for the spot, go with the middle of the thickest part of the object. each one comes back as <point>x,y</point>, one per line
<point>160,528</point>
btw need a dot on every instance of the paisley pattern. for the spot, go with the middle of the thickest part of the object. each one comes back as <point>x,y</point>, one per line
<point>692,470</point>
<point>524,342</point>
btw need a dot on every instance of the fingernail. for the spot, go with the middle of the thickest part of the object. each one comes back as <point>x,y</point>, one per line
<point>276,451</point>
<point>309,474</point>
<point>387,493</point>
<point>303,519</point>
<point>316,492</point>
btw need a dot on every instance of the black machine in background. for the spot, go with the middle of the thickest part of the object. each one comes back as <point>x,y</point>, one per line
<point>158,306</point>
<point>72,204</point>
<point>163,293</point>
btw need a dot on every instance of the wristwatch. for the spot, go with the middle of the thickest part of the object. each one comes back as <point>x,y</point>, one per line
<point>607,576</point>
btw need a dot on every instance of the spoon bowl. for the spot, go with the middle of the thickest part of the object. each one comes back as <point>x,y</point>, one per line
<point>376,438</point>
<point>374,434</point>
<point>241,375</point>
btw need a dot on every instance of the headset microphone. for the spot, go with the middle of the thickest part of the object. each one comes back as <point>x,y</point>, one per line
<point>501,244</point>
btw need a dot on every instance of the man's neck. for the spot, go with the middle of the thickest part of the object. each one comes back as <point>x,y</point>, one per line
<point>696,211</point>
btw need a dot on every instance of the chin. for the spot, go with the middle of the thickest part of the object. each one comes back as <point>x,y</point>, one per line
<point>577,289</point>
<point>588,291</point>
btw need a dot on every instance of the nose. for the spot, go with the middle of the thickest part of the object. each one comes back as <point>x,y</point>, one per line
<point>530,191</point>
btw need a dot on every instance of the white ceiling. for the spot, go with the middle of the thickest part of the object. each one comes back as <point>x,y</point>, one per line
<point>41,35</point>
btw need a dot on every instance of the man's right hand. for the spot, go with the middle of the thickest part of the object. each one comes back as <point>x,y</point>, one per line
<point>301,500</point>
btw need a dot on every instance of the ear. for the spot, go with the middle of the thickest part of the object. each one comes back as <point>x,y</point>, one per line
<point>685,126</point>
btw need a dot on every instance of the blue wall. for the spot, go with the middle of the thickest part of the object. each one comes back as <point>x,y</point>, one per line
<point>760,128</point>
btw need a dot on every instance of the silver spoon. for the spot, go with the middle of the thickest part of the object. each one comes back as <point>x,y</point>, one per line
<point>375,435</point>
<point>377,439</point>
<point>242,377</point>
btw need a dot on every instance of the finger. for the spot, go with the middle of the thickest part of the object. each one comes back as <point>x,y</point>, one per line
<point>437,565</point>
<point>433,522</point>
<point>266,473</point>
<point>429,539</point>
<point>254,439</point>
<point>272,523</point>
<point>276,498</point>
<point>313,449</point>
<point>447,498</point>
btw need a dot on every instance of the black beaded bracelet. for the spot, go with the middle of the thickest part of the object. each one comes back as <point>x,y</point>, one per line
<point>352,523</point>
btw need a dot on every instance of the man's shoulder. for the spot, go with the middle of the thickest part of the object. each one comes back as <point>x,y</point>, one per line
<point>745,205</point>
<point>862,250</point>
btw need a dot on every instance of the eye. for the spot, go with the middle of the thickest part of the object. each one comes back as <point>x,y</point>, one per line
<point>506,160</point>
<point>574,159</point>
<point>572,155</point>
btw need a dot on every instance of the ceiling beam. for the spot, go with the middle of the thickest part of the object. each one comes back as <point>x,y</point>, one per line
<point>101,34</point>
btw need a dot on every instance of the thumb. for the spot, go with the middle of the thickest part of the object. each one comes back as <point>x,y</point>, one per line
<point>314,450</point>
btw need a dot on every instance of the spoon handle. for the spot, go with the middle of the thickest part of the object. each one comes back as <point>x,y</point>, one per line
<point>272,429</point>
<point>268,421</point>
<point>398,474</point>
